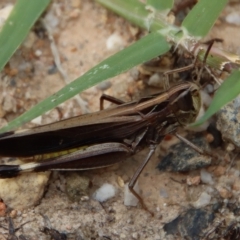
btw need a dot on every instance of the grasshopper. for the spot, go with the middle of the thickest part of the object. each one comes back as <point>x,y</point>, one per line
<point>104,137</point>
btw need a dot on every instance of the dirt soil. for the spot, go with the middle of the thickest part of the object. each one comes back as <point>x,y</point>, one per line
<point>85,33</point>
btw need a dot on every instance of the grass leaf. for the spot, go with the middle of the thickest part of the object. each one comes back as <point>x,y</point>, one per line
<point>202,17</point>
<point>17,26</point>
<point>161,5</point>
<point>226,93</point>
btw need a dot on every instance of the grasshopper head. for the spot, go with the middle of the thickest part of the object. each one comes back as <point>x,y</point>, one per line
<point>186,102</point>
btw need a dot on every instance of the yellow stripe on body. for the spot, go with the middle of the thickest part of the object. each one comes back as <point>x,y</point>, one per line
<point>47,156</point>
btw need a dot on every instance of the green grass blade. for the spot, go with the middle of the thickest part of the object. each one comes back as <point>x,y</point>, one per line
<point>226,93</point>
<point>201,18</point>
<point>145,49</point>
<point>135,12</point>
<point>17,26</point>
<point>161,5</point>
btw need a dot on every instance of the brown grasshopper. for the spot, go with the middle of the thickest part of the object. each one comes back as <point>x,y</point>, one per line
<point>102,138</point>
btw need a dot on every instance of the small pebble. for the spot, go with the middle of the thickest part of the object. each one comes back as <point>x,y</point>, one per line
<point>193,180</point>
<point>120,181</point>
<point>163,193</point>
<point>13,213</point>
<point>84,198</point>
<point>105,192</point>
<point>206,177</point>
<point>219,171</point>
<point>52,69</point>
<point>122,236</point>
<point>209,138</point>
<point>37,120</point>
<point>135,235</point>
<point>155,80</point>
<point>209,88</point>
<point>203,200</point>
<point>134,73</point>
<point>129,198</point>
<point>51,20</point>
<point>206,98</point>
<point>104,85</point>
<point>9,104</point>
<point>68,227</point>
<point>236,185</point>
<point>19,197</point>
<point>224,193</point>
<point>38,53</point>
<point>114,42</point>
<point>230,147</point>
<point>210,190</point>
<point>233,18</point>
<point>228,124</point>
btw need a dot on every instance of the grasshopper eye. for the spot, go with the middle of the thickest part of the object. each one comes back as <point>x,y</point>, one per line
<point>187,105</point>
<point>185,102</point>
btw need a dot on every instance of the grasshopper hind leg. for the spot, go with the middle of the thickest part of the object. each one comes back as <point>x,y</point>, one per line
<point>136,175</point>
<point>9,171</point>
<point>95,156</point>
